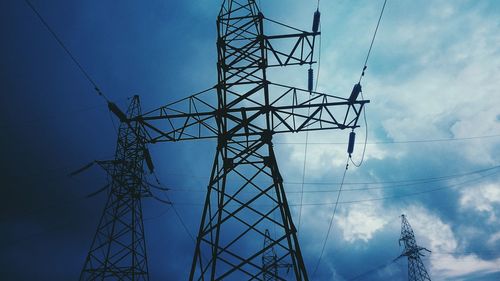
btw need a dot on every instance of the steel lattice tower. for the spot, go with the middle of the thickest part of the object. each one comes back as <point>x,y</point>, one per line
<point>270,262</point>
<point>118,250</point>
<point>416,268</point>
<point>245,194</point>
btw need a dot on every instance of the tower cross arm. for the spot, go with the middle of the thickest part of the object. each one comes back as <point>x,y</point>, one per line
<point>291,48</point>
<point>298,110</point>
<point>190,118</point>
<point>289,110</point>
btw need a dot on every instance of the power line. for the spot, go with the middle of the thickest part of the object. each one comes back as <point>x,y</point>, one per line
<point>307,132</point>
<point>398,142</point>
<point>303,177</point>
<point>38,211</point>
<point>331,220</point>
<point>397,196</point>
<point>370,271</point>
<point>379,198</point>
<point>373,40</point>
<point>362,97</point>
<point>176,212</point>
<point>405,182</point>
<point>66,49</point>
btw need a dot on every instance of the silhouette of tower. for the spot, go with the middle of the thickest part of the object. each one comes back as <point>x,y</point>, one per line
<point>118,250</point>
<point>270,262</point>
<point>416,268</point>
<point>245,194</point>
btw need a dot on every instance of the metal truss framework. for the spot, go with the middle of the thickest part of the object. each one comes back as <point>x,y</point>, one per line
<point>118,250</point>
<point>416,268</point>
<point>243,111</point>
<point>270,262</point>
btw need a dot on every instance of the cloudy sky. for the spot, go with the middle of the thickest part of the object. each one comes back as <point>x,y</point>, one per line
<point>432,151</point>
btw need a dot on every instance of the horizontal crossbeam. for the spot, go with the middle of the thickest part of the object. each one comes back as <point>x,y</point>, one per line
<point>292,110</point>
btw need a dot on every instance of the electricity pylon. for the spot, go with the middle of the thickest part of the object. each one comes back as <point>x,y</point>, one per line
<point>118,250</point>
<point>270,262</point>
<point>245,194</point>
<point>416,268</point>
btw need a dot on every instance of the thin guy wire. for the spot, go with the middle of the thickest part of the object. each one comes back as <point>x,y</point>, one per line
<point>379,198</point>
<point>303,177</point>
<point>366,138</point>
<point>400,142</point>
<point>307,132</point>
<point>60,42</point>
<point>38,211</point>
<point>361,76</point>
<point>113,122</point>
<point>373,40</point>
<point>331,220</point>
<point>180,218</point>
<point>404,181</point>
<point>375,269</point>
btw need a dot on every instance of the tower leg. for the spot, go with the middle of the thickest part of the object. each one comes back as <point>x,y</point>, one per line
<point>244,196</point>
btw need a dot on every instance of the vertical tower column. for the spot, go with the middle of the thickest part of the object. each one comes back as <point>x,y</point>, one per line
<point>416,268</point>
<point>118,250</point>
<point>245,195</point>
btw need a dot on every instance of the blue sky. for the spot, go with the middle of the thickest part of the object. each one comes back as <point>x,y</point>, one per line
<point>432,75</point>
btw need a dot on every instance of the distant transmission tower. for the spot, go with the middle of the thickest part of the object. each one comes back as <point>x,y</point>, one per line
<point>118,250</point>
<point>270,262</point>
<point>245,194</point>
<point>416,268</point>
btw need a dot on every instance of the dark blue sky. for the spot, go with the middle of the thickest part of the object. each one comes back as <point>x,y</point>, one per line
<point>433,75</point>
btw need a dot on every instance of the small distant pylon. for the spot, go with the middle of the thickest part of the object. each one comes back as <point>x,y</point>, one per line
<point>416,268</point>
<point>118,250</point>
<point>270,262</point>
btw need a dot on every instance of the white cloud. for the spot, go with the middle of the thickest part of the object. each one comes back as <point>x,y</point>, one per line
<point>482,198</point>
<point>446,262</point>
<point>433,74</point>
<point>449,267</point>
<point>494,238</point>
<point>450,92</point>
<point>360,222</point>
<point>443,83</point>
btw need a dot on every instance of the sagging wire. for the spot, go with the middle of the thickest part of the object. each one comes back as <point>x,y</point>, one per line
<point>357,165</point>
<point>352,135</point>
<point>66,49</point>
<point>73,58</point>
<point>171,204</point>
<point>373,40</point>
<point>331,220</point>
<point>315,28</point>
<point>365,66</point>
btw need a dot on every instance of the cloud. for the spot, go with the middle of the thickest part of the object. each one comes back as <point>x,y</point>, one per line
<point>482,198</point>
<point>446,260</point>
<point>361,221</point>
<point>494,238</point>
<point>449,267</point>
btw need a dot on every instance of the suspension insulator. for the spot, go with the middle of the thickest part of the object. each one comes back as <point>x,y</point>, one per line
<point>149,161</point>
<point>316,19</point>
<point>355,92</point>
<point>310,80</point>
<point>350,147</point>
<point>116,110</point>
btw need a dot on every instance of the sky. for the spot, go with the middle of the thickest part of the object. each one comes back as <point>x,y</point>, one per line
<point>432,150</point>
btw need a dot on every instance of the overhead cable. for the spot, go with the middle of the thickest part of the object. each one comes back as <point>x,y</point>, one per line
<point>331,220</point>
<point>66,49</point>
